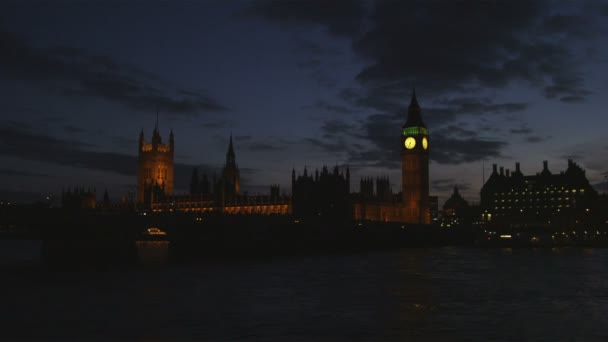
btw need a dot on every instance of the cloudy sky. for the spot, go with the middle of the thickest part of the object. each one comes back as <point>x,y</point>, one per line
<point>298,83</point>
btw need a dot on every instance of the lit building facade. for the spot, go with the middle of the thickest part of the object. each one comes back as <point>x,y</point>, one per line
<point>544,199</point>
<point>155,168</point>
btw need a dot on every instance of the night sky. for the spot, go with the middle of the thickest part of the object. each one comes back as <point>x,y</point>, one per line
<point>298,83</point>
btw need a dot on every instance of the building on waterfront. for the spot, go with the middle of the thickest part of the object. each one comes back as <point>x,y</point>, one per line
<point>222,195</point>
<point>155,168</point>
<point>323,195</point>
<point>414,204</point>
<point>543,199</point>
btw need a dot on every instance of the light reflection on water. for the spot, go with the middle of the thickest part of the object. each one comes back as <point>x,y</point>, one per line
<point>412,294</point>
<point>153,253</point>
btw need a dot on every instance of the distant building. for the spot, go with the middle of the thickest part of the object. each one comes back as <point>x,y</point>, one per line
<point>544,199</point>
<point>455,202</point>
<point>414,204</point>
<point>155,168</point>
<point>455,210</point>
<point>79,198</point>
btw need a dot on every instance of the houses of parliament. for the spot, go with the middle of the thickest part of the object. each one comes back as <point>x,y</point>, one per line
<point>321,194</point>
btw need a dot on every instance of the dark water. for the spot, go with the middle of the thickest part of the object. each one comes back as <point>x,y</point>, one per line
<point>411,294</point>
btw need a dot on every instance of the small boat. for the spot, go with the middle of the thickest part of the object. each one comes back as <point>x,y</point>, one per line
<point>155,231</point>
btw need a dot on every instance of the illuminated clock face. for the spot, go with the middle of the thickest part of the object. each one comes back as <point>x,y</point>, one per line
<point>425,143</point>
<point>410,143</point>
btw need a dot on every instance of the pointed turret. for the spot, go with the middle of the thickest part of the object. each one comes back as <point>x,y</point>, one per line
<point>230,174</point>
<point>414,119</point>
<point>230,157</point>
<point>230,147</point>
<point>171,141</point>
<point>156,139</point>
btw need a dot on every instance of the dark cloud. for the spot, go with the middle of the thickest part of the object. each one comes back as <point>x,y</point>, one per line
<point>341,17</point>
<point>534,139</point>
<point>74,72</point>
<point>447,150</point>
<point>454,52</point>
<point>567,87</point>
<point>529,135</point>
<point>12,172</point>
<point>521,130</point>
<point>449,45</point>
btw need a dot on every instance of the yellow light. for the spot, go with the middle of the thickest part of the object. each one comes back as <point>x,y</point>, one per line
<point>505,236</point>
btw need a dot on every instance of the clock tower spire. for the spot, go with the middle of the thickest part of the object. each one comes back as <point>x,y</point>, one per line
<point>415,166</point>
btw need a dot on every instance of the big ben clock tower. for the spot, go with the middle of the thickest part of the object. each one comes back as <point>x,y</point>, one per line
<point>415,166</point>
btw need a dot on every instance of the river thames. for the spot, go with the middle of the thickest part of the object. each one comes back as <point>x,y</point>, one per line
<point>410,294</point>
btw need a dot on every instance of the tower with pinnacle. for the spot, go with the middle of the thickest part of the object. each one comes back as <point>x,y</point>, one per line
<point>415,166</point>
<point>230,174</point>
<point>155,167</point>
